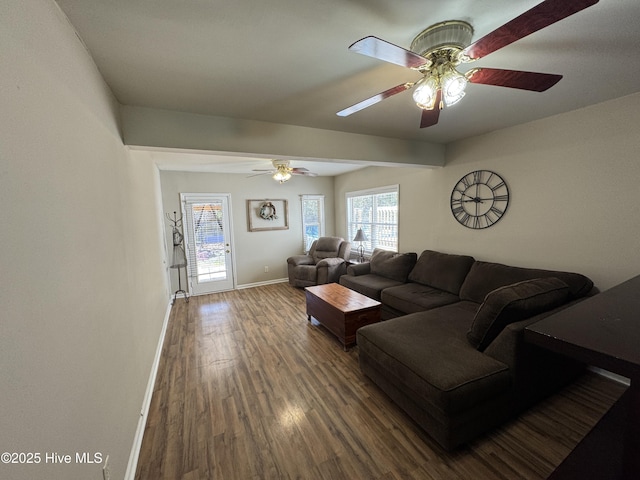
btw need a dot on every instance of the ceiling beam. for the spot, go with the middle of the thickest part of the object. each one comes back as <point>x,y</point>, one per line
<point>148,127</point>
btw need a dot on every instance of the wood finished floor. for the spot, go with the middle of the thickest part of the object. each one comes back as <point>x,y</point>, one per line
<point>247,388</point>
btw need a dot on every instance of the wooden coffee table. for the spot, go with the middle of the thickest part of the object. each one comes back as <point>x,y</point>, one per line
<point>341,310</point>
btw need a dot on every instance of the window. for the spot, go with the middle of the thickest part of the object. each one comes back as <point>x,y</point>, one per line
<point>376,212</point>
<point>312,219</point>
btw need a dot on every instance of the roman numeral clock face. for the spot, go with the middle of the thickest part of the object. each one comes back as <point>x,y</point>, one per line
<point>479,199</point>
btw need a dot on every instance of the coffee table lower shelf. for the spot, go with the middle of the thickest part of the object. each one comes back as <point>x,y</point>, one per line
<point>341,311</point>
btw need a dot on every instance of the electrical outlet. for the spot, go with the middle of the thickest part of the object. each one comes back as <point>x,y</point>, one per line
<point>266,269</point>
<point>106,471</point>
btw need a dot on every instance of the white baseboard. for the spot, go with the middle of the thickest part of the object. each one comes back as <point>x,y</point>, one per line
<point>146,402</point>
<point>610,375</point>
<point>259,284</point>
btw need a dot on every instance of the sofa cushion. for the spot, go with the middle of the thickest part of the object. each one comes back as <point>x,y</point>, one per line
<point>326,247</point>
<point>441,270</point>
<point>427,356</point>
<point>369,284</point>
<point>485,277</point>
<point>359,268</point>
<point>514,303</point>
<point>395,266</point>
<point>415,297</point>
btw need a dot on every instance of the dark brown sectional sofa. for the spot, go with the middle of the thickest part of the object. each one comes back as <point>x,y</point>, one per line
<point>451,352</point>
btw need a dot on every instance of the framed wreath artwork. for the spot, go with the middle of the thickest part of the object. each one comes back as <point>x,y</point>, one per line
<point>267,215</point>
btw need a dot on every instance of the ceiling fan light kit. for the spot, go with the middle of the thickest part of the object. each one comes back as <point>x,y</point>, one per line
<point>441,45</point>
<point>283,171</point>
<point>439,49</point>
<point>443,77</point>
<point>282,175</point>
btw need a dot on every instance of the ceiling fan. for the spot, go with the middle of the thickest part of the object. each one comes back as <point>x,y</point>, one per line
<point>438,50</point>
<point>283,171</point>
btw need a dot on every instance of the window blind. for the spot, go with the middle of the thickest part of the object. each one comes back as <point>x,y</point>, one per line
<point>312,219</point>
<point>203,227</point>
<point>376,212</point>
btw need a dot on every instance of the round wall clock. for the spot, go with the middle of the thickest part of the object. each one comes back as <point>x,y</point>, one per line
<point>479,199</point>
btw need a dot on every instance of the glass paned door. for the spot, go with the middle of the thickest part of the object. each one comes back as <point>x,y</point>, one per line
<point>209,252</point>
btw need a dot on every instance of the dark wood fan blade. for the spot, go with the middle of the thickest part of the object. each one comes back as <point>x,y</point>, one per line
<point>430,117</point>
<point>539,17</point>
<point>299,169</point>
<point>375,99</point>
<point>306,173</point>
<point>534,81</point>
<point>383,50</point>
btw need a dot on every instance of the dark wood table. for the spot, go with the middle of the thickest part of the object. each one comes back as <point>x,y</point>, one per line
<point>603,331</point>
<point>341,310</point>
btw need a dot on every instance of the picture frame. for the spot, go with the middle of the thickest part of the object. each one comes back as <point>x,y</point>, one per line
<point>267,214</point>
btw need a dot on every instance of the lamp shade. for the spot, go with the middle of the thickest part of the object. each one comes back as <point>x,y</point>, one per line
<point>360,236</point>
<point>281,176</point>
<point>453,85</point>
<point>425,92</point>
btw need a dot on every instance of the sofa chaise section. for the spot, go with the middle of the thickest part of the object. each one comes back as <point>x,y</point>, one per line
<point>423,362</point>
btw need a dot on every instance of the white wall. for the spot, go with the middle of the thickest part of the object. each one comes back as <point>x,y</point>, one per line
<point>575,188</point>
<point>253,250</point>
<point>83,291</point>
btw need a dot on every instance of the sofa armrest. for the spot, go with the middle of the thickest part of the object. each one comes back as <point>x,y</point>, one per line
<point>359,269</point>
<point>296,260</point>
<point>330,270</point>
<point>535,372</point>
<point>509,346</point>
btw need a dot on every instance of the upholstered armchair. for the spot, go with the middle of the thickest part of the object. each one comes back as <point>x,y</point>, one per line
<point>325,263</point>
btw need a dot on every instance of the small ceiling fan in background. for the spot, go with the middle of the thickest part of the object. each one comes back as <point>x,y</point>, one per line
<point>439,49</point>
<point>283,171</point>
